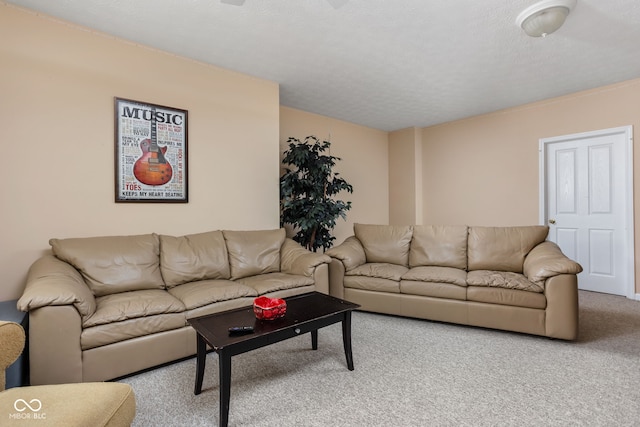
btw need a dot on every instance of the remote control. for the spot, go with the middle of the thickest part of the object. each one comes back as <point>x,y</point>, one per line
<point>240,330</point>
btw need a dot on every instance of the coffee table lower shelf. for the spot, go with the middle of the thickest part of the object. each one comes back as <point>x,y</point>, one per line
<point>305,314</point>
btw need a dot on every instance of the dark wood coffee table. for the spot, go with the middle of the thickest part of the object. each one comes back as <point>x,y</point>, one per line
<point>305,313</point>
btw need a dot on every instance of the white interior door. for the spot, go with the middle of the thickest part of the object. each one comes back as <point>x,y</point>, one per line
<point>587,193</point>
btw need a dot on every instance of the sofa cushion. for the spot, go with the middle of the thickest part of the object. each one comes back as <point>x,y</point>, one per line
<point>272,282</point>
<point>198,294</point>
<point>113,332</point>
<point>379,269</point>
<point>254,252</point>
<point>454,276</point>
<point>130,305</point>
<point>508,297</point>
<point>439,245</point>
<point>113,264</point>
<point>433,289</point>
<point>376,284</point>
<point>502,248</point>
<point>193,257</point>
<point>501,279</point>
<point>385,243</point>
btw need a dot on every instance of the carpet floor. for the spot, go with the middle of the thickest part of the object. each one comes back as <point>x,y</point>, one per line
<point>418,373</point>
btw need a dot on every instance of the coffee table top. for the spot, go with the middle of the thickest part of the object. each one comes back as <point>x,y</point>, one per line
<point>300,309</point>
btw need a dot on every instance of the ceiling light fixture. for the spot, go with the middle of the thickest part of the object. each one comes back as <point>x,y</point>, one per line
<point>544,17</point>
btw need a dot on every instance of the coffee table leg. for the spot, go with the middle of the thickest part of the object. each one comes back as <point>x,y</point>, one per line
<point>201,358</point>
<point>314,339</point>
<point>346,338</point>
<point>224,362</point>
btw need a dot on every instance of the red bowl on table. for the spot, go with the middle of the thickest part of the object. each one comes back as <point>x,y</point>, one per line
<point>266,308</point>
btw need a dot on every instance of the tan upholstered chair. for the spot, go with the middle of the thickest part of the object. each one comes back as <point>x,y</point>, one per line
<point>81,404</point>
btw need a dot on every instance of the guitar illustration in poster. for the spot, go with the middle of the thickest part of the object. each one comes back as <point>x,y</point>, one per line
<point>152,168</point>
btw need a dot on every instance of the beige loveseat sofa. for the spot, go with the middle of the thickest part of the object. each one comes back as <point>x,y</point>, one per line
<point>506,278</point>
<point>104,307</point>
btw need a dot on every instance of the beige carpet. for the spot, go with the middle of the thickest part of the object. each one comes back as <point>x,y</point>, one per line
<point>419,373</point>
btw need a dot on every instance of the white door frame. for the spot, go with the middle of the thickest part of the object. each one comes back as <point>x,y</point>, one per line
<point>629,227</point>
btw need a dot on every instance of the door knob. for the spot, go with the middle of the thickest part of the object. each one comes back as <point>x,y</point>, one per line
<point>552,221</point>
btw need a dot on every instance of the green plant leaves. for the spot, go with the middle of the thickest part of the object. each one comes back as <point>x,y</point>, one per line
<point>306,192</point>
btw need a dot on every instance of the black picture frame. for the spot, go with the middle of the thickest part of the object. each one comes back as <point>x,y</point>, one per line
<point>150,153</point>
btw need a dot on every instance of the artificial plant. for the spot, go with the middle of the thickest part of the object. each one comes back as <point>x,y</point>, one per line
<point>307,190</point>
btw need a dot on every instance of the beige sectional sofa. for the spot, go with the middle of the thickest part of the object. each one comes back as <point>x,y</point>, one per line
<point>104,307</point>
<point>506,278</point>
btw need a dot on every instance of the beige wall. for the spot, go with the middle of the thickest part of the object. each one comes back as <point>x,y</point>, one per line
<point>364,164</point>
<point>405,177</point>
<point>484,170</point>
<point>57,135</point>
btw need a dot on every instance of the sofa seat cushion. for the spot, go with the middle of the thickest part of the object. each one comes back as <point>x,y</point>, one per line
<point>503,296</point>
<point>372,284</point>
<point>131,305</point>
<point>439,245</point>
<point>433,289</point>
<point>385,243</point>
<point>113,264</point>
<point>193,257</point>
<point>380,270</point>
<point>454,276</point>
<point>218,307</point>
<point>375,276</point>
<point>203,292</point>
<point>110,333</point>
<point>271,282</point>
<point>502,279</point>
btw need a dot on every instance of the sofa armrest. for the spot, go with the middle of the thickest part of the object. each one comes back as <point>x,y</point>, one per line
<point>561,313</point>
<point>295,259</point>
<point>344,257</point>
<point>55,353</point>
<point>546,260</point>
<point>336,278</point>
<point>350,253</point>
<point>52,282</point>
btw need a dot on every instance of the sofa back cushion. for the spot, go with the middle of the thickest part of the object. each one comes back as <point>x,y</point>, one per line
<point>254,252</point>
<point>439,245</point>
<point>113,264</point>
<point>193,257</point>
<point>503,248</point>
<point>385,243</point>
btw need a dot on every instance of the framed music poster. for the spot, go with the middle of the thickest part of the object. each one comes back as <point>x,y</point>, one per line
<point>150,153</point>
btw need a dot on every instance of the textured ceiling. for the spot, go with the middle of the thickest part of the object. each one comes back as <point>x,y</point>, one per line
<point>386,64</point>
